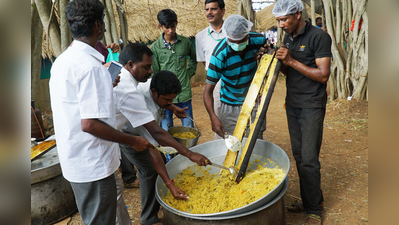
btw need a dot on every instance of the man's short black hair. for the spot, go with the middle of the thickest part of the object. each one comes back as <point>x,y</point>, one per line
<point>165,82</point>
<point>134,52</point>
<point>318,18</point>
<point>220,3</point>
<point>82,15</point>
<point>167,17</point>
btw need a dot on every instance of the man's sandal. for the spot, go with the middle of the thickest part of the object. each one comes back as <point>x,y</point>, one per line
<point>297,207</point>
<point>313,218</point>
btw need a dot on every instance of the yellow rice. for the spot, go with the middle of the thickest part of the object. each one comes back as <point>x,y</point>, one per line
<point>185,135</point>
<point>212,193</point>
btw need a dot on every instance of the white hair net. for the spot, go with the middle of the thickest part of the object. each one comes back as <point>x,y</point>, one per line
<point>287,7</point>
<point>237,27</point>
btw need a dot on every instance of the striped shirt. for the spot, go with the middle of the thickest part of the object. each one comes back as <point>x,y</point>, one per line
<point>236,74</point>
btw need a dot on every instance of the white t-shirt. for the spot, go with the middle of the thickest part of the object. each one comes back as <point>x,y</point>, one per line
<point>205,44</point>
<point>81,88</point>
<point>130,104</point>
<point>144,89</point>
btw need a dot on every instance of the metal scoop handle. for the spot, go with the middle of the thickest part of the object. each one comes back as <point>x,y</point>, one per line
<point>221,167</point>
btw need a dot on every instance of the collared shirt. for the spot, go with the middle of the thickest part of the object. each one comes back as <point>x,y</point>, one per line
<point>235,73</point>
<point>175,60</point>
<point>167,45</point>
<point>144,89</point>
<point>129,102</point>
<point>205,42</point>
<point>311,43</point>
<point>81,88</point>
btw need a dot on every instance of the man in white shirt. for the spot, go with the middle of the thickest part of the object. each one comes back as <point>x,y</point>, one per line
<point>131,106</point>
<point>158,93</point>
<point>207,39</point>
<point>84,118</point>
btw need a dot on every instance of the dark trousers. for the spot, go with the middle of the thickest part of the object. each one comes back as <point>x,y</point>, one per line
<point>128,171</point>
<point>96,200</point>
<point>147,176</point>
<point>306,134</point>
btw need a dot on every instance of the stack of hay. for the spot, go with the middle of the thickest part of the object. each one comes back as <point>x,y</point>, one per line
<point>143,23</point>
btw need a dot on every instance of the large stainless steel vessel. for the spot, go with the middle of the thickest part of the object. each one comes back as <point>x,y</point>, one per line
<point>270,214</point>
<point>216,152</point>
<point>52,197</point>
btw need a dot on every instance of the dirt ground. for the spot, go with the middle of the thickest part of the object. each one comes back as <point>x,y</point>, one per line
<point>344,158</point>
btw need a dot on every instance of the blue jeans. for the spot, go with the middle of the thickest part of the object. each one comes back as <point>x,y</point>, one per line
<point>167,121</point>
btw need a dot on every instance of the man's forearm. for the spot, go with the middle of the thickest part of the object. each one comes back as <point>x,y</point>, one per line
<point>208,101</point>
<point>159,164</point>
<point>319,74</point>
<point>104,131</point>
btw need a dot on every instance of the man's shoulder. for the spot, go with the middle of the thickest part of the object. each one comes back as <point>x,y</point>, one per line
<point>202,33</point>
<point>257,38</point>
<point>144,87</point>
<point>157,43</point>
<point>79,60</point>
<point>221,50</point>
<point>316,31</point>
<point>183,38</point>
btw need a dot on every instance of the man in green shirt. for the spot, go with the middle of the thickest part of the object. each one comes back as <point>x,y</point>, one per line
<point>171,52</point>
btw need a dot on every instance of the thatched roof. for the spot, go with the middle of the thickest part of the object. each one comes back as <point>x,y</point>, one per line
<point>265,20</point>
<point>143,23</point>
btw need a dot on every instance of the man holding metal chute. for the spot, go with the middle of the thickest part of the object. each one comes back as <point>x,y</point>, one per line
<point>306,56</point>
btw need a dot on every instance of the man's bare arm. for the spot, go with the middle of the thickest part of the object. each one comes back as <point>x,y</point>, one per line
<point>104,131</point>
<point>217,125</point>
<point>319,74</point>
<point>165,139</point>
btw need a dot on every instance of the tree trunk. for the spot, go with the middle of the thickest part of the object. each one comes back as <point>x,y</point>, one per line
<point>107,34</point>
<point>50,25</point>
<point>66,37</point>
<point>114,31</point>
<point>349,72</point>
<point>245,10</point>
<point>305,12</point>
<point>312,11</point>
<point>36,51</point>
<point>334,48</point>
<point>123,27</point>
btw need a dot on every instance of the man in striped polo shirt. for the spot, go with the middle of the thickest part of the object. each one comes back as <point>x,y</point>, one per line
<point>234,62</point>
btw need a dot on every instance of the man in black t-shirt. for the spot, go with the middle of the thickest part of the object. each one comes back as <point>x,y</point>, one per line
<point>306,56</point>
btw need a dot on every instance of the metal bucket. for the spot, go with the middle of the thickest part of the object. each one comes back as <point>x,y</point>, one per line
<point>188,143</point>
<point>216,151</point>
<point>52,198</point>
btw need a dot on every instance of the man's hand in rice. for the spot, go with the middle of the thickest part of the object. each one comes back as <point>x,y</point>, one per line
<point>177,192</point>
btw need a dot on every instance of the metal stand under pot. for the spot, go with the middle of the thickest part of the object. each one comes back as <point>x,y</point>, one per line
<point>52,198</point>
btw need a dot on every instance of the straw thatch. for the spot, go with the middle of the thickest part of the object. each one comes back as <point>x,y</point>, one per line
<point>265,20</point>
<point>143,23</point>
